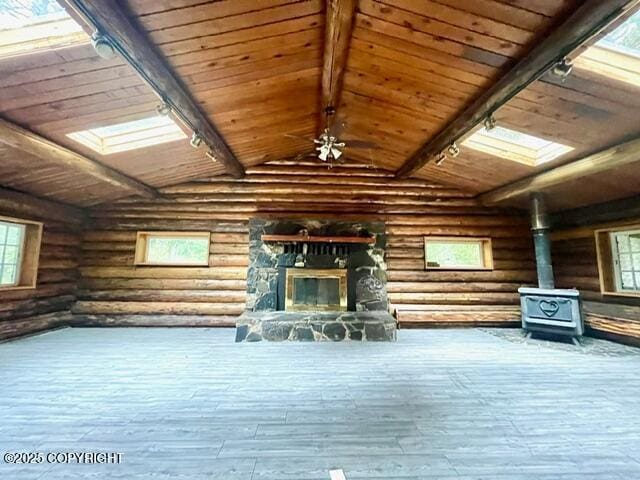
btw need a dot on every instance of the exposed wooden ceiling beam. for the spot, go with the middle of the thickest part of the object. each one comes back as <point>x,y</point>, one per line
<point>29,142</point>
<point>610,158</point>
<point>18,203</point>
<point>109,18</point>
<point>590,18</point>
<point>339,25</point>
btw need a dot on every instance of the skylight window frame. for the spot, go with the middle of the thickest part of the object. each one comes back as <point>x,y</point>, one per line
<point>487,142</point>
<point>135,139</point>
<point>607,58</point>
<point>48,32</point>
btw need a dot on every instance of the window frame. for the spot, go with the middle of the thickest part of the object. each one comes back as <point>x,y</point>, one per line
<point>29,255</point>
<point>485,245</point>
<point>609,272</point>
<point>141,252</point>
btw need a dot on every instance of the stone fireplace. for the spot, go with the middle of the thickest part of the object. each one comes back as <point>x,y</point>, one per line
<point>316,280</point>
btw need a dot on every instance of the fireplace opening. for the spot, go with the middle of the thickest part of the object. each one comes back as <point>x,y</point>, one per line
<point>316,289</point>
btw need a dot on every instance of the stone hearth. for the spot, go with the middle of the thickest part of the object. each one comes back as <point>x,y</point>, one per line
<point>270,314</point>
<point>315,326</point>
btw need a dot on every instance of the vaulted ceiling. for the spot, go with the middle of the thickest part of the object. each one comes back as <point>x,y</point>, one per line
<point>255,69</point>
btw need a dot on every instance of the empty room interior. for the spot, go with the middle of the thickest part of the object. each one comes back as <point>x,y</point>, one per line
<point>320,239</point>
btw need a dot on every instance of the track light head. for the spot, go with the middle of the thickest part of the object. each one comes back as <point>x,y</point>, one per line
<point>211,156</point>
<point>102,45</point>
<point>196,140</point>
<point>489,123</point>
<point>453,150</point>
<point>440,159</point>
<point>562,69</point>
<point>163,109</point>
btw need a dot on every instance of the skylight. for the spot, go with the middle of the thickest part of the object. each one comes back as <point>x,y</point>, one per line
<point>617,55</point>
<point>32,25</point>
<point>512,145</point>
<point>130,135</point>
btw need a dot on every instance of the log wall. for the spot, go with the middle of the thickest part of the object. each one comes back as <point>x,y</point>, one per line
<point>47,306</point>
<point>114,292</point>
<point>576,266</point>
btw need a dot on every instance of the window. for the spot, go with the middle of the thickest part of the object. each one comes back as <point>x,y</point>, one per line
<point>32,25</point>
<point>172,248</point>
<point>19,252</point>
<point>618,251</point>
<point>512,145</point>
<point>130,135</point>
<point>458,253</point>
<point>617,55</point>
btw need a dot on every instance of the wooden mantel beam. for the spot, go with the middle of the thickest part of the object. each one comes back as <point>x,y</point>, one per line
<point>589,19</point>
<point>610,158</point>
<point>29,142</point>
<point>339,25</point>
<point>109,18</point>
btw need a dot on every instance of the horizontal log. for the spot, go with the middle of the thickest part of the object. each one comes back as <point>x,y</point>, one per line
<point>17,204</point>
<point>220,273</point>
<point>32,307</point>
<point>461,276</point>
<point>195,296</point>
<point>219,260</point>
<point>451,287</point>
<point>28,326</point>
<point>162,284</point>
<point>152,321</point>
<point>458,231</point>
<point>160,308</point>
<point>42,291</point>
<point>454,298</point>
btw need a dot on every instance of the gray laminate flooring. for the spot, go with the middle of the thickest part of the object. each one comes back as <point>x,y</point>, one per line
<point>438,404</point>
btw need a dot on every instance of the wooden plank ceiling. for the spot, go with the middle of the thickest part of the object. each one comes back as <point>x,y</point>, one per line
<point>255,67</point>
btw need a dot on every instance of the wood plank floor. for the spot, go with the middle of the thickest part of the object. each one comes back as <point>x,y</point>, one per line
<point>438,404</point>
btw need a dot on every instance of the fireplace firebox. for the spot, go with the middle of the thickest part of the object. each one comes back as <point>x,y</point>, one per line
<point>316,280</point>
<point>308,289</point>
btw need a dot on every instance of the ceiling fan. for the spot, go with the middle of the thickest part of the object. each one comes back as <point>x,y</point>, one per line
<point>329,146</point>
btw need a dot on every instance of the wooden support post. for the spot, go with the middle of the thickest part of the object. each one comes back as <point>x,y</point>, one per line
<point>589,19</point>
<point>29,142</point>
<point>109,18</point>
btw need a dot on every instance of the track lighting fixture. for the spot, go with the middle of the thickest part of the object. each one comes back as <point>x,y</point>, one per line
<point>212,156</point>
<point>102,45</point>
<point>440,159</point>
<point>453,150</point>
<point>562,68</point>
<point>489,123</point>
<point>163,109</point>
<point>196,140</point>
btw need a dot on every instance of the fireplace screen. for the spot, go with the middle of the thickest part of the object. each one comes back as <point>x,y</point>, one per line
<point>312,289</point>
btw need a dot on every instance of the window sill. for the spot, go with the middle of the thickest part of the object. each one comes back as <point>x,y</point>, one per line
<point>11,288</point>
<point>622,294</point>
<point>477,269</point>
<point>183,265</point>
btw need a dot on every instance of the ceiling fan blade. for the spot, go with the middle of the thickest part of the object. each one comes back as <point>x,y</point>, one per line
<point>359,143</point>
<point>298,137</point>
<point>305,155</point>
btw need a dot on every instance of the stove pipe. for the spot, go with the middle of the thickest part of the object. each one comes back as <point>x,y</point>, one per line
<point>540,228</point>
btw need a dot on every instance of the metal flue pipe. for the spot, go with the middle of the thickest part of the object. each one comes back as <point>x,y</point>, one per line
<point>540,227</point>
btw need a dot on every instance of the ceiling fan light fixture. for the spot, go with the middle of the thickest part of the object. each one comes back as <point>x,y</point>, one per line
<point>102,45</point>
